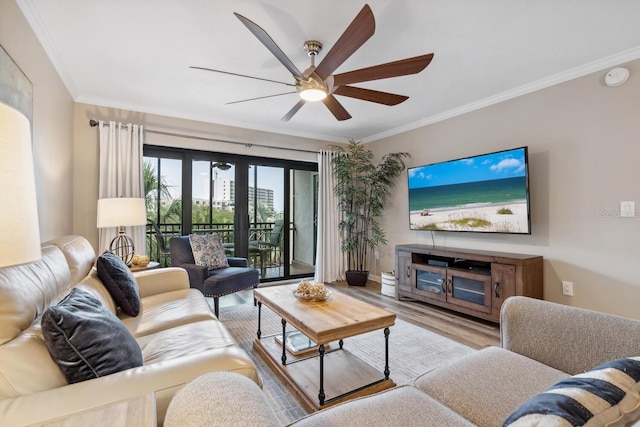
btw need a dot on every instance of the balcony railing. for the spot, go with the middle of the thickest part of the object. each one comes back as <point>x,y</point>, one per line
<point>257,232</point>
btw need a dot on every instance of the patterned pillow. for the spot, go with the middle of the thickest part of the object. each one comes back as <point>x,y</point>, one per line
<point>607,395</point>
<point>208,251</point>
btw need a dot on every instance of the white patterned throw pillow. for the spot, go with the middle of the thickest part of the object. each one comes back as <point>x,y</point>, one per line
<point>208,251</point>
<point>607,395</point>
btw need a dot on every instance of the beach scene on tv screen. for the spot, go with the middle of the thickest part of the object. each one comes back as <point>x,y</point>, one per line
<point>485,193</point>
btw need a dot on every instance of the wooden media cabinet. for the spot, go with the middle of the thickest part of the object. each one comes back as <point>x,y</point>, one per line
<point>473,282</point>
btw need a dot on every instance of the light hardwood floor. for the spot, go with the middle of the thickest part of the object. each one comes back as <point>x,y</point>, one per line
<point>461,328</point>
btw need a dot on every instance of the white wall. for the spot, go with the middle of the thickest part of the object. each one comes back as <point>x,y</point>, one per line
<point>584,154</point>
<point>52,123</point>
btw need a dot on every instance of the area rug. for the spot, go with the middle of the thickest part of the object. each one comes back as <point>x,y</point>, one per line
<point>413,351</point>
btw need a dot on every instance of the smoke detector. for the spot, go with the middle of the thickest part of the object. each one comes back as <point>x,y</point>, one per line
<point>616,77</point>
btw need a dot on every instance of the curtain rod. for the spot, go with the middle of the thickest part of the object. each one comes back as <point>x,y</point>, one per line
<point>93,123</point>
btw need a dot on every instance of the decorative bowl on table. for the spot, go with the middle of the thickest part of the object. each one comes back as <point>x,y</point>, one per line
<point>308,291</point>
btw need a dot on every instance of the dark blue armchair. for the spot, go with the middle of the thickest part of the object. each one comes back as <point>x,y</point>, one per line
<point>213,283</point>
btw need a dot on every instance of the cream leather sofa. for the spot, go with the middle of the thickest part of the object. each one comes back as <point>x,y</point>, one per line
<point>178,334</point>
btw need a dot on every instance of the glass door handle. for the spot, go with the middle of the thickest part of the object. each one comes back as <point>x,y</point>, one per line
<point>495,289</point>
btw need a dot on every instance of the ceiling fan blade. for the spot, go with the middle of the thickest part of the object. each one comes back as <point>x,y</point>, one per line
<point>293,111</point>
<point>359,31</point>
<point>270,44</point>
<point>370,95</point>
<point>242,75</point>
<point>261,97</point>
<point>402,67</point>
<point>336,108</point>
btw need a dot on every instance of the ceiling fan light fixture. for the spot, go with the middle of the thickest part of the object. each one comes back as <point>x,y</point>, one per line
<point>313,94</point>
<point>321,84</point>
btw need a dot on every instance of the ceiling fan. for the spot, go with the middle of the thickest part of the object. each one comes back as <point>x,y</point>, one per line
<point>317,83</point>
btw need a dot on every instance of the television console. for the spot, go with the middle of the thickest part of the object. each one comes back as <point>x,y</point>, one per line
<point>474,282</point>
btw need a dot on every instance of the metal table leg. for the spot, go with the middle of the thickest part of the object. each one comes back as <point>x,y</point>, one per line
<point>321,395</point>
<point>284,342</point>
<point>259,333</point>
<point>386,353</point>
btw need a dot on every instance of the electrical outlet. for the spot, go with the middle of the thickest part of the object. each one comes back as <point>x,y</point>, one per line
<point>377,254</point>
<point>567,288</point>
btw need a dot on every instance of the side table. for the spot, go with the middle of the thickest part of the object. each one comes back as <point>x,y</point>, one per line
<point>150,266</point>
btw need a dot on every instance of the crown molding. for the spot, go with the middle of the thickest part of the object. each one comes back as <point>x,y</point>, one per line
<point>592,67</point>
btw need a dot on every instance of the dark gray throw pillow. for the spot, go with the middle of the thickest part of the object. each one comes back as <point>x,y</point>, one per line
<point>86,340</point>
<point>120,283</point>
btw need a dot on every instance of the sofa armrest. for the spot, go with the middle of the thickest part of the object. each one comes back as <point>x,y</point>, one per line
<point>202,403</point>
<point>570,339</point>
<point>158,281</point>
<point>163,379</point>
<point>238,262</point>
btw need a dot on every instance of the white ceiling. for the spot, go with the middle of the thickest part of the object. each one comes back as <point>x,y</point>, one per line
<point>135,55</point>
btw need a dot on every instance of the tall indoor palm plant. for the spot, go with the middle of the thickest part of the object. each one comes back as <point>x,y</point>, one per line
<point>362,188</point>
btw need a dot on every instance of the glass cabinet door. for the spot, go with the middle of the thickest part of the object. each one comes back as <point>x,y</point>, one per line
<point>469,289</point>
<point>430,281</point>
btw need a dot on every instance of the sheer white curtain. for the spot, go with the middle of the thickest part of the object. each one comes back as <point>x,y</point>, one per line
<point>121,174</point>
<point>330,261</point>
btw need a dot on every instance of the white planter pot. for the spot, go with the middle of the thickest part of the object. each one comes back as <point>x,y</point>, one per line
<point>388,284</point>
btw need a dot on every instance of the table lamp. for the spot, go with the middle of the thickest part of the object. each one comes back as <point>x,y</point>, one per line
<point>19,228</point>
<point>121,212</point>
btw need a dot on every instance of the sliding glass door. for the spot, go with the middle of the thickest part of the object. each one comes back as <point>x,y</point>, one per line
<point>263,209</point>
<point>282,220</point>
<point>266,203</point>
<point>303,209</point>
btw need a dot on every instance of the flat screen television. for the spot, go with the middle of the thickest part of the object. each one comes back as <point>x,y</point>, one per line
<point>488,193</point>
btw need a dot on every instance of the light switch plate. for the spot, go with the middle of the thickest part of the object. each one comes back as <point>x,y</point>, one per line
<point>628,209</point>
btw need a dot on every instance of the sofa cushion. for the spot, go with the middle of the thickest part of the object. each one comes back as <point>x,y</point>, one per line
<point>86,340</point>
<point>185,340</point>
<point>607,395</point>
<point>486,386</point>
<point>92,284</point>
<point>26,290</point>
<point>559,336</point>
<point>228,280</point>
<point>167,310</point>
<point>400,406</point>
<point>79,254</point>
<point>208,251</point>
<point>120,283</point>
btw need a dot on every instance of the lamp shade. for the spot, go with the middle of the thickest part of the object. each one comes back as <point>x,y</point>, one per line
<point>121,211</point>
<point>19,227</point>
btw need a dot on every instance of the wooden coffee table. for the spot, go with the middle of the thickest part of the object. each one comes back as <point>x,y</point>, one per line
<point>332,374</point>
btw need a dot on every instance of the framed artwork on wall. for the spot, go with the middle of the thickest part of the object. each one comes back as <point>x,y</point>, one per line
<point>16,90</point>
